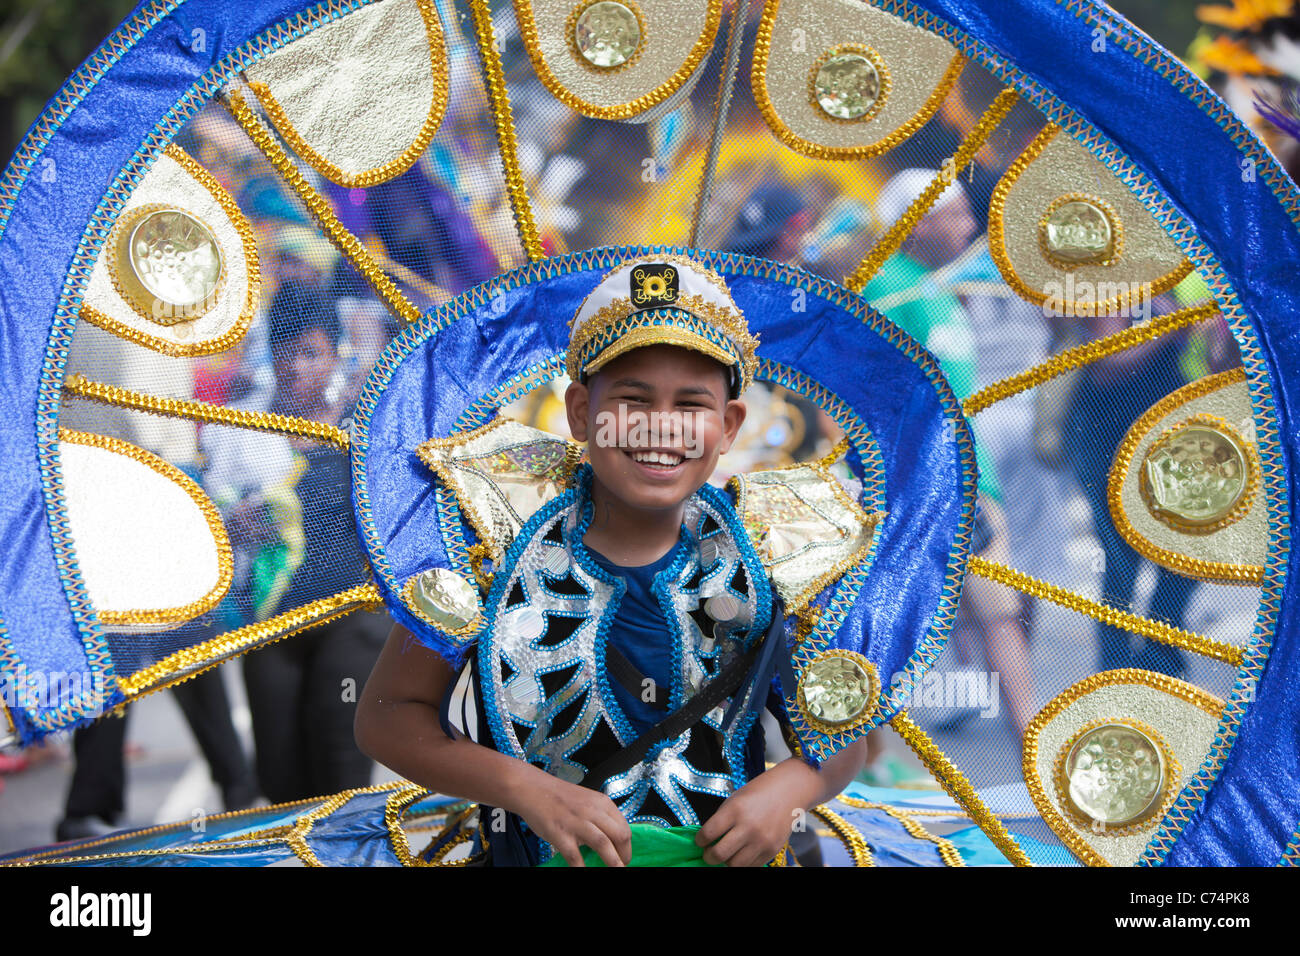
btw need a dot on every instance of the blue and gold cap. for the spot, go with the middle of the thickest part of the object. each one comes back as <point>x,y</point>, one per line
<point>661,300</point>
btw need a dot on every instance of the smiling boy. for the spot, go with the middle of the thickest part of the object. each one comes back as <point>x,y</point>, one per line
<point>626,643</point>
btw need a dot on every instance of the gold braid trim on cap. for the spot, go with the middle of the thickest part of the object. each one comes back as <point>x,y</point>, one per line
<point>1105,614</point>
<point>893,238</point>
<point>192,661</point>
<point>403,161</point>
<point>620,312</point>
<point>1085,354</point>
<point>225,558</point>
<point>1220,571</point>
<point>78,386</point>
<point>320,210</point>
<point>958,787</point>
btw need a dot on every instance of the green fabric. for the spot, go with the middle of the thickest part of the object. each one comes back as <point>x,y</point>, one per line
<point>938,321</point>
<point>653,846</point>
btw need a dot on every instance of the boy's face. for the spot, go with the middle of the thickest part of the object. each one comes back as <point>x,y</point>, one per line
<point>655,421</point>
<point>304,366</point>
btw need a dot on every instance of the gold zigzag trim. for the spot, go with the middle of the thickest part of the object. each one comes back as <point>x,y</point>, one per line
<point>225,558</point>
<point>947,849</point>
<point>848,834</point>
<point>958,787</point>
<point>1141,626</point>
<point>893,238</point>
<point>191,661</point>
<point>406,159</point>
<point>80,387</point>
<point>320,210</point>
<point>1085,354</point>
<point>495,79</point>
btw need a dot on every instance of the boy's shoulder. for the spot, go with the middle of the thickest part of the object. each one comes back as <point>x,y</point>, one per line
<point>807,524</point>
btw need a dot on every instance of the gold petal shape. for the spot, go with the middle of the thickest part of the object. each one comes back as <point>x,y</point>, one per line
<point>893,76</point>
<point>360,98</point>
<point>201,296</point>
<point>1068,235</point>
<point>1233,547</point>
<point>1148,734</point>
<point>675,39</point>
<point>149,543</point>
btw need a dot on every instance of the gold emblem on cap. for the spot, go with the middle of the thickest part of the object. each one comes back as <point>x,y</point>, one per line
<point>166,263</point>
<point>605,35</point>
<point>1115,775</point>
<point>849,83</point>
<point>441,597</point>
<point>1200,475</point>
<point>1080,230</point>
<point>838,691</point>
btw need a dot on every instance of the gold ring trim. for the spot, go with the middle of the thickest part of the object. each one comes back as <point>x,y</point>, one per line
<point>884,80</point>
<point>252,271</point>
<point>1186,565</point>
<point>1158,807</point>
<point>571,31</point>
<point>1112,219</point>
<point>864,715</point>
<point>130,288</point>
<point>1245,501</point>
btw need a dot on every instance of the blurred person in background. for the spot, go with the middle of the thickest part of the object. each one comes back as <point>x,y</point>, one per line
<point>913,288</point>
<point>292,529</point>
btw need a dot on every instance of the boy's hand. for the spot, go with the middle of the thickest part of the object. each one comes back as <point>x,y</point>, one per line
<point>753,824</point>
<point>568,817</point>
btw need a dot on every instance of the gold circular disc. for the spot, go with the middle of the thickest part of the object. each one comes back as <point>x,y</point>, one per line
<point>1198,475</point>
<point>848,83</point>
<point>444,598</point>
<point>607,34</point>
<point>1115,774</point>
<point>838,690</point>
<point>167,264</point>
<point>1079,230</point>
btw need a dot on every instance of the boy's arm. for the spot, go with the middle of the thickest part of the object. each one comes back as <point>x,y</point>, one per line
<point>397,724</point>
<point>753,824</point>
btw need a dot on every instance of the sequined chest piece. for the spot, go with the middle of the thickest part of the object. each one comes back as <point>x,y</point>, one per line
<point>542,658</point>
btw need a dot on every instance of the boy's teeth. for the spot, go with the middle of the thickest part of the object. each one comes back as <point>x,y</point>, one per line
<point>656,458</point>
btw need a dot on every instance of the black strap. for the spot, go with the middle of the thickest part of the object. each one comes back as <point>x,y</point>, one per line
<point>633,681</point>
<point>689,714</point>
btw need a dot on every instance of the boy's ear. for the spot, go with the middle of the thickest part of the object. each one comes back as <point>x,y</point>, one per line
<point>733,416</point>
<point>577,398</point>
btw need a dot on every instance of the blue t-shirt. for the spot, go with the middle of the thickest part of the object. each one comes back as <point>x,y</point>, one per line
<point>641,631</point>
